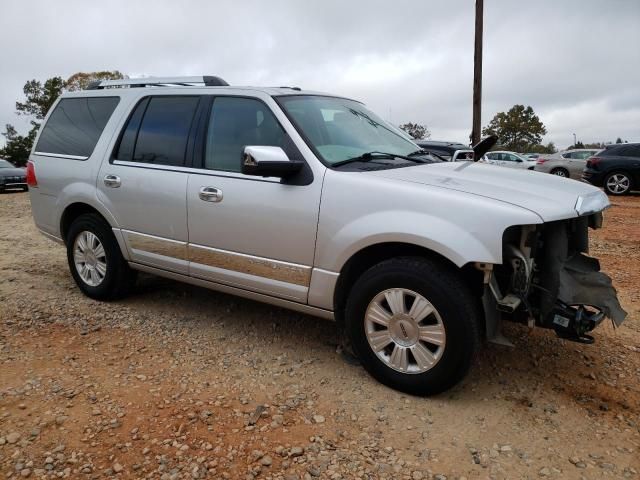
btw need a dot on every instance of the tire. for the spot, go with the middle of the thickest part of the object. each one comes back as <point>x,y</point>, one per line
<point>560,172</point>
<point>454,324</point>
<point>618,183</point>
<point>106,275</point>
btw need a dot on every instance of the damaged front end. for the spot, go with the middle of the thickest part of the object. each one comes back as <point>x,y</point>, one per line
<point>547,280</point>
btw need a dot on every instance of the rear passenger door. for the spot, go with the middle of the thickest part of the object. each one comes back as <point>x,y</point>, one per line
<point>257,233</point>
<point>144,184</point>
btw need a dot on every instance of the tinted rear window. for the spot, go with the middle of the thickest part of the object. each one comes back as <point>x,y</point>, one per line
<point>75,126</point>
<point>161,137</point>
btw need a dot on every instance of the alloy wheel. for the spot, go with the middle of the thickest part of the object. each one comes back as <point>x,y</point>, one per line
<point>89,258</point>
<point>618,183</point>
<point>405,330</point>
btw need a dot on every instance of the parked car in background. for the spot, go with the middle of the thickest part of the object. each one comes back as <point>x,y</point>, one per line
<point>568,163</point>
<point>509,159</point>
<point>531,156</point>
<point>12,178</point>
<point>616,168</point>
<point>449,151</point>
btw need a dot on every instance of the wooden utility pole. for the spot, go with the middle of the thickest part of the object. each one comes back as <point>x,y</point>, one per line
<point>477,76</point>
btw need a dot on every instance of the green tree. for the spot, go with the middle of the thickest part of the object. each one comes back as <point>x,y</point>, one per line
<point>416,131</point>
<point>518,129</point>
<point>17,147</point>
<point>39,97</point>
<point>618,140</point>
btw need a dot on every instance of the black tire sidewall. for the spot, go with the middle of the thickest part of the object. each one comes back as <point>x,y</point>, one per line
<point>461,341</point>
<point>94,224</point>
<point>565,172</point>
<point>609,175</point>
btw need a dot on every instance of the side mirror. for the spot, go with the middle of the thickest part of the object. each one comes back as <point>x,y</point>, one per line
<point>483,146</point>
<point>263,161</point>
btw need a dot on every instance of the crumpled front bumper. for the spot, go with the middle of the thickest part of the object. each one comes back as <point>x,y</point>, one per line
<point>582,283</point>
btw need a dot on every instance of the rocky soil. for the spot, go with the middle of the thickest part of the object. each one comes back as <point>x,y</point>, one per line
<point>178,382</point>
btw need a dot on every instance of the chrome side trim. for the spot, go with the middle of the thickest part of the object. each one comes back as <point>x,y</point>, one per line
<point>157,245</point>
<point>60,155</point>
<point>259,297</point>
<point>248,264</point>
<point>51,237</point>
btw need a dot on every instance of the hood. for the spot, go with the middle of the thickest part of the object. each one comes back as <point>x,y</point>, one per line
<point>549,196</point>
<point>12,172</point>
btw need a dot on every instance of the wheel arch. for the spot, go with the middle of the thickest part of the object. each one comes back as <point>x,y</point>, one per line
<point>371,255</point>
<point>75,209</point>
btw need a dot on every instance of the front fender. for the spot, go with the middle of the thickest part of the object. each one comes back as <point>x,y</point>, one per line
<point>358,210</point>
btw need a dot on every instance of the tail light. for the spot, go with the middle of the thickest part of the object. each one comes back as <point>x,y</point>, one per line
<point>31,174</point>
<point>541,161</point>
<point>593,162</point>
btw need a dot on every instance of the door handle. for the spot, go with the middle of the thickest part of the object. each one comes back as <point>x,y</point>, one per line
<point>112,181</point>
<point>210,194</point>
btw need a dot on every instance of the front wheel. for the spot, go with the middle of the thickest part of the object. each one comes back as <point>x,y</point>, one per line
<point>95,259</point>
<point>560,172</point>
<point>413,324</point>
<point>617,183</point>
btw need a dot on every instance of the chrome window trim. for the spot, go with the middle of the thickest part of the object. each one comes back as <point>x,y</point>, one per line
<point>60,155</point>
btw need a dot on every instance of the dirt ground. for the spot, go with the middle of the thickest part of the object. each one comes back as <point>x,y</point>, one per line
<point>180,382</point>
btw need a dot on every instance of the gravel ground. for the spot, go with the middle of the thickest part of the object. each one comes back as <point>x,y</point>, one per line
<point>180,382</point>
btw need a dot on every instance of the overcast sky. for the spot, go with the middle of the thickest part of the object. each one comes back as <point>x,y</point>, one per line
<point>577,63</point>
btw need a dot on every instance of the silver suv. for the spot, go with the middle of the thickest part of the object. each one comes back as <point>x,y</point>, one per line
<point>312,202</point>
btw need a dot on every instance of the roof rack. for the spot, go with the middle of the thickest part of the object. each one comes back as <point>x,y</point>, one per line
<point>207,80</point>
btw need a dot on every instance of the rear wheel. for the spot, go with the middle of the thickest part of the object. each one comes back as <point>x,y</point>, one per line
<point>617,183</point>
<point>560,172</point>
<point>413,324</point>
<point>95,259</point>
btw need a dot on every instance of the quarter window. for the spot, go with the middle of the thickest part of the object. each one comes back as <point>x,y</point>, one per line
<point>236,122</point>
<point>75,125</point>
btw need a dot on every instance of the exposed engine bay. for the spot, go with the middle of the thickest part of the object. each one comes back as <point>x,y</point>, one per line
<point>547,280</point>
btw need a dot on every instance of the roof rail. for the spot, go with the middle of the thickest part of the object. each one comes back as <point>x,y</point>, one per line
<point>207,80</point>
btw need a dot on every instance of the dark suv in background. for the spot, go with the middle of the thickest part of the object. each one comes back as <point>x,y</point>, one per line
<point>616,169</point>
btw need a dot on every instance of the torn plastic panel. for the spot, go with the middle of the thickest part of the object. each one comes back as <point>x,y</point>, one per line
<point>547,280</point>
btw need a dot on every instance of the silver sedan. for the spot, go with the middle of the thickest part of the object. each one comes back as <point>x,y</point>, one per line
<point>568,163</point>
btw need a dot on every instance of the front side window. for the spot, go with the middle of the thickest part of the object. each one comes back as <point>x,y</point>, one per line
<point>235,123</point>
<point>75,125</point>
<point>340,129</point>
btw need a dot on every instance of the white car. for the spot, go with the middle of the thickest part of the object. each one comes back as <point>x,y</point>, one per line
<point>510,160</point>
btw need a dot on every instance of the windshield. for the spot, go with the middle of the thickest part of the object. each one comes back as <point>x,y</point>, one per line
<point>5,164</point>
<point>341,129</point>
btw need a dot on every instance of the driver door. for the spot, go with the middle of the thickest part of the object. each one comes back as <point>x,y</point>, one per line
<point>255,233</point>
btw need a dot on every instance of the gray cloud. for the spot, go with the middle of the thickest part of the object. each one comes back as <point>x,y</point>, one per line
<point>577,63</point>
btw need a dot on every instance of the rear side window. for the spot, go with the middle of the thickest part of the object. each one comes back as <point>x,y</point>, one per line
<point>75,126</point>
<point>158,130</point>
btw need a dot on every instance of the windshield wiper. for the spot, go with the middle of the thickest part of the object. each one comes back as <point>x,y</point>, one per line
<point>368,156</point>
